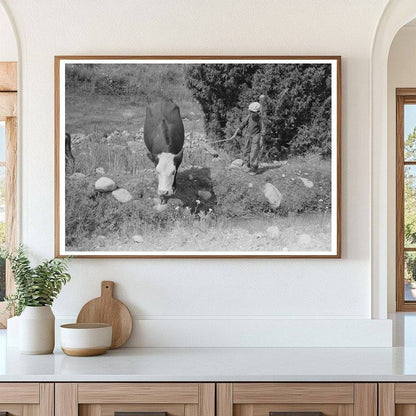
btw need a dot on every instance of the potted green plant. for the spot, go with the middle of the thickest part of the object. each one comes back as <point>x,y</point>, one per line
<point>36,289</point>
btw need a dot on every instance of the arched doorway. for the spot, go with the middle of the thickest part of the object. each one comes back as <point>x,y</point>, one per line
<point>396,14</point>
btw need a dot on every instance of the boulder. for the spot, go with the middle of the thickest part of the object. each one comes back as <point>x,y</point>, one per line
<point>273,232</point>
<point>122,195</point>
<point>138,239</point>
<point>77,175</point>
<point>273,196</point>
<point>307,182</point>
<point>237,163</point>
<point>105,184</point>
<point>205,195</point>
<point>100,171</point>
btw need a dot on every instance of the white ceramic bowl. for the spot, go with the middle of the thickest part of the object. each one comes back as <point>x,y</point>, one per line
<point>83,340</point>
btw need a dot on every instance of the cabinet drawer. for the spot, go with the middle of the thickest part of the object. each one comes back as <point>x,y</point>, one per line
<point>297,399</point>
<point>22,399</point>
<point>108,399</point>
<point>397,399</point>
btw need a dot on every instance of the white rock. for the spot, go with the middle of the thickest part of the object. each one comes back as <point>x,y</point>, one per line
<point>138,239</point>
<point>205,195</point>
<point>190,177</point>
<point>100,171</point>
<point>77,175</point>
<point>304,239</point>
<point>237,163</point>
<point>273,232</point>
<point>250,185</point>
<point>273,196</point>
<point>105,184</point>
<point>307,182</point>
<point>122,195</point>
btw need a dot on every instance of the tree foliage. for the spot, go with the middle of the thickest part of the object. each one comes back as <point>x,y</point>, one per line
<point>35,286</point>
<point>297,111</point>
<point>410,191</point>
<point>217,88</point>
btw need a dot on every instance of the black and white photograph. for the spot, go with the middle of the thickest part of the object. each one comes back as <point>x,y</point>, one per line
<point>198,157</point>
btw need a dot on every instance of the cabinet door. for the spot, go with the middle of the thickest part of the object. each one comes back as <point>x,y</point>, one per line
<point>26,399</point>
<point>144,399</point>
<point>297,399</point>
<point>397,399</point>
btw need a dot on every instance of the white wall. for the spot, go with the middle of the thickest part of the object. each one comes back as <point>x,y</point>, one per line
<point>179,302</point>
<point>8,47</point>
<point>401,74</point>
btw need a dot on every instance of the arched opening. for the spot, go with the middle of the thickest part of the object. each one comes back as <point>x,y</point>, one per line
<point>396,15</point>
<point>8,149</point>
<point>401,122</point>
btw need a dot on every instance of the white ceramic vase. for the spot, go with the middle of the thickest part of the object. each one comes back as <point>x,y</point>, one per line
<point>37,330</point>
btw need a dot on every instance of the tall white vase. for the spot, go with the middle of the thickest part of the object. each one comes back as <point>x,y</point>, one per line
<point>37,330</point>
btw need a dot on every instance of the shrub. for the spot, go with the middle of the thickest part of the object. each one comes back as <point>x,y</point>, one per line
<point>297,109</point>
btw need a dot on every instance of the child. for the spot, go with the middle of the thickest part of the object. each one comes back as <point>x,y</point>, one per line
<point>254,136</point>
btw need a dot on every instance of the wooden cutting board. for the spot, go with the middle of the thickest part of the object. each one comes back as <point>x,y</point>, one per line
<point>107,309</point>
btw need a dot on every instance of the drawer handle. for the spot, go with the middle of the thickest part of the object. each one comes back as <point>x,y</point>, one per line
<point>138,414</point>
<point>296,414</point>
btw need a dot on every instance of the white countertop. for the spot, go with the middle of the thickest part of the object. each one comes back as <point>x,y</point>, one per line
<point>213,364</point>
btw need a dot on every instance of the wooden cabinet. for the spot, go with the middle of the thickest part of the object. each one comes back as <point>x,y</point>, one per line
<point>27,399</point>
<point>106,399</point>
<point>397,399</point>
<point>297,399</point>
<point>208,399</point>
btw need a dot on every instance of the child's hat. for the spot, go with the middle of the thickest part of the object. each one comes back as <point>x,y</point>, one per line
<point>254,107</point>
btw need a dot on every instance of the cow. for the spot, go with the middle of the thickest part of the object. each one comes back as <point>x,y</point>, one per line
<point>164,136</point>
<point>69,157</point>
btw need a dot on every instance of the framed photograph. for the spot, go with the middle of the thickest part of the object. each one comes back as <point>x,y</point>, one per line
<point>198,156</point>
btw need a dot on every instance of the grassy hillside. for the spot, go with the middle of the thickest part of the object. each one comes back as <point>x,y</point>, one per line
<point>106,124</point>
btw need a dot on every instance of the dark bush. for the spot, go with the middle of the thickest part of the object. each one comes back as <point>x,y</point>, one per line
<point>297,109</point>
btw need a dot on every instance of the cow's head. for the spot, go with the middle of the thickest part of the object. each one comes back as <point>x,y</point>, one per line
<point>166,168</point>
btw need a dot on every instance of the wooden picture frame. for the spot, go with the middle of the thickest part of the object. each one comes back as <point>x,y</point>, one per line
<point>74,109</point>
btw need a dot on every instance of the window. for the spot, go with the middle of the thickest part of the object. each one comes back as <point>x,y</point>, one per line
<point>2,206</point>
<point>406,199</point>
<point>8,171</point>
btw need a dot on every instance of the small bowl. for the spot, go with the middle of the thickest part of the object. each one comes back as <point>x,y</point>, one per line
<point>84,340</point>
